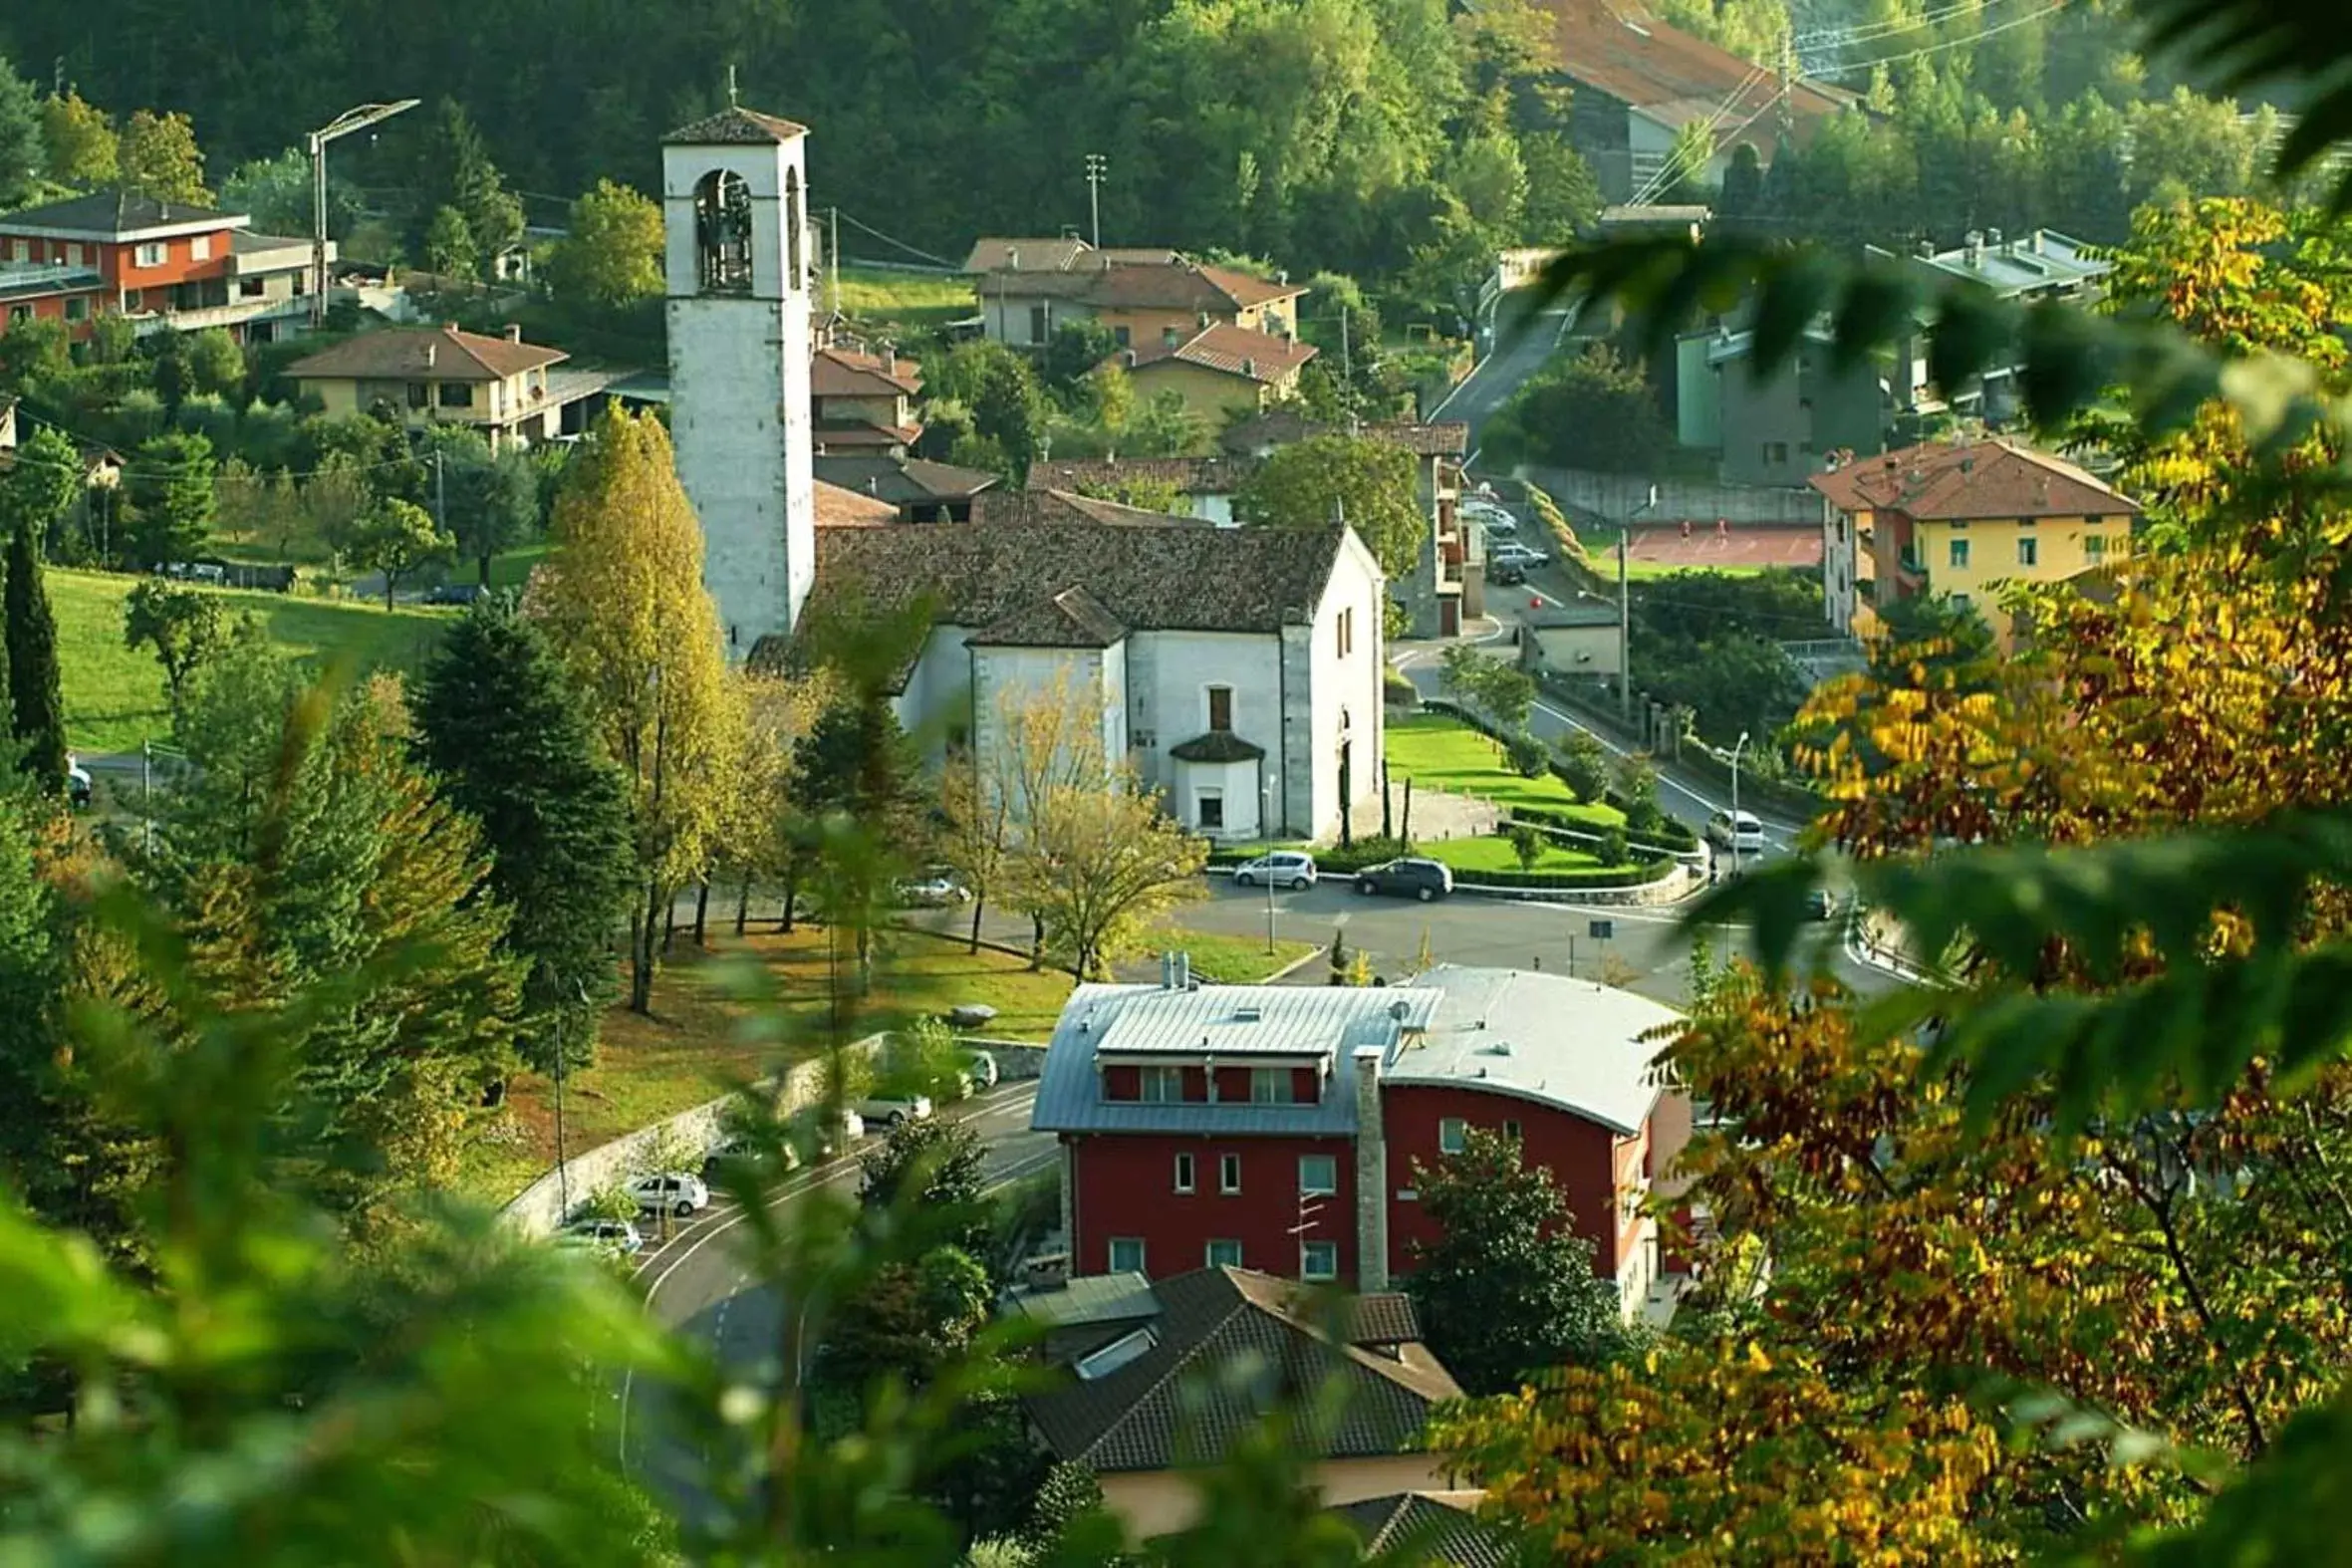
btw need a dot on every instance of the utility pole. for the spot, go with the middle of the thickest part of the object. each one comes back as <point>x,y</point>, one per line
<point>1347,373</point>
<point>1625,633</point>
<point>441,496</point>
<point>1096,166</point>
<point>833,264</point>
<point>343,124</point>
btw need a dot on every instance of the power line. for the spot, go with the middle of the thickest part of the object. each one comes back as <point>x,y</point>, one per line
<point>1837,37</point>
<point>1672,168</point>
<point>892,239</point>
<point>1848,65</point>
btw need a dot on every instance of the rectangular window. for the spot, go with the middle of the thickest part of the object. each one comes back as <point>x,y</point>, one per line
<point>1510,1130</point>
<point>1212,812</point>
<point>1127,1254</point>
<point>1318,1176</point>
<point>150,254</point>
<point>2029,551</point>
<point>1454,1135</point>
<point>1318,1261</point>
<point>1122,336</point>
<point>457,395</point>
<point>1229,1174</point>
<point>250,288</point>
<point>74,256</point>
<point>1163,1085</point>
<point>201,248</point>
<point>24,251</point>
<point>1169,338</point>
<point>17,313</point>
<point>76,309</point>
<point>1775,453</point>
<point>2094,548</point>
<point>1221,707</point>
<point>132,300</point>
<point>1037,324</point>
<point>1225,1254</point>
<point>1269,1086</point>
<point>1342,627</point>
<point>1183,1173</point>
<point>419,395</point>
<point>1959,552</point>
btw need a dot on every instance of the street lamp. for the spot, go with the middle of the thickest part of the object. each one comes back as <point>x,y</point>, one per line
<point>1735,752</point>
<point>343,124</point>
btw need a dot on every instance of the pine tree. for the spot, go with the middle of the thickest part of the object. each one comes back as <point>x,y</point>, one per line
<point>501,725</point>
<point>36,710</point>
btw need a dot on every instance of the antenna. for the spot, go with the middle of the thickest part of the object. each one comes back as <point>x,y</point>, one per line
<point>1096,166</point>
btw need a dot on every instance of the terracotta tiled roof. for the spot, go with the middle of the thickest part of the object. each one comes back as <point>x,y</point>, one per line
<point>1673,76</point>
<point>840,509</point>
<point>1068,506</point>
<point>1177,286</point>
<point>734,125</point>
<point>1282,426</point>
<point>1229,1342</point>
<point>1972,480</point>
<point>1234,351</point>
<point>423,354</point>
<point>1190,475</point>
<point>845,372</point>
<point>1059,253</point>
<point>1072,618</point>
<point>845,436</point>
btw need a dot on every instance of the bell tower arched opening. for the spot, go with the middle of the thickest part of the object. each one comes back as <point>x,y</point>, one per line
<point>722,233</point>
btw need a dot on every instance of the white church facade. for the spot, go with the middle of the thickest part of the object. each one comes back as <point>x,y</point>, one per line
<point>1237,670</point>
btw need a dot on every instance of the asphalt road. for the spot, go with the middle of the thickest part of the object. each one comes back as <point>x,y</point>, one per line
<point>697,1279</point>
<point>1522,344</point>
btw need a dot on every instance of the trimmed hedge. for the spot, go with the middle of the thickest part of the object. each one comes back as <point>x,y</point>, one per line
<point>1667,835</point>
<point>1670,838</point>
<point>1598,877</point>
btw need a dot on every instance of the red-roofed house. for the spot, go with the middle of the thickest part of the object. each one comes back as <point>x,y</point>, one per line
<point>502,386</point>
<point>1030,288</point>
<point>863,402</point>
<point>1219,370</point>
<point>1962,518</point>
<point>1639,81</point>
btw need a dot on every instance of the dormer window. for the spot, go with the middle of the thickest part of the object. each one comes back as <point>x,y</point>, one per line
<point>1163,1085</point>
<point>1269,1086</point>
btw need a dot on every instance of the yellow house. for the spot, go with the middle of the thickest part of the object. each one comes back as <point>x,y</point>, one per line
<point>440,375</point>
<point>1030,288</point>
<point>1223,372</point>
<point>1964,518</point>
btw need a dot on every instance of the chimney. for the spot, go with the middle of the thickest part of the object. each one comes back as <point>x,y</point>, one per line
<point>430,350</point>
<point>1371,1173</point>
<point>1184,971</point>
<point>1249,368</point>
<point>514,332</point>
<point>1926,251</point>
<point>1012,258</point>
<point>1131,358</point>
<point>1975,247</point>
<point>2035,243</point>
<point>873,485</point>
<point>1167,972</point>
<point>1993,238</point>
<point>1050,1271</point>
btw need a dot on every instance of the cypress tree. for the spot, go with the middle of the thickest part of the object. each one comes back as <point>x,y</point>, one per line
<point>499,720</point>
<point>36,710</point>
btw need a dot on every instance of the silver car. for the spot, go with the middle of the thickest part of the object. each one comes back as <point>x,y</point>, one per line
<point>1282,869</point>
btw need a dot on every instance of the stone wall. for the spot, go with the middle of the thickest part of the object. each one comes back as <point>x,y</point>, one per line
<point>1621,498</point>
<point>538,1212</point>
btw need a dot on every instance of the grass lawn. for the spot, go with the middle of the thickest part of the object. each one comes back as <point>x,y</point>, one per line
<point>507,570</point>
<point>701,1039</point>
<point>1650,570</point>
<point>1232,960</point>
<point>919,300</point>
<point>1496,853</point>
<point>1438,752</point>
<point>115,695</point>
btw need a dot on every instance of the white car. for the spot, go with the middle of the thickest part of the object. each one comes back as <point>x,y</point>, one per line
<point>1282,869</point>
<point>1736,830</point>
<point>1513,553</point>
<point>891,1110</point>
<point>1497,527</point>
<point>78,785</point>
<point>616,1236</point>
<point>671,1192</point>
<point>932,889</point>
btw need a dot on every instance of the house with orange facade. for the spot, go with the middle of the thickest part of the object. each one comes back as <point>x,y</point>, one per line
<point>163,265</point>
<point>1965,518</point>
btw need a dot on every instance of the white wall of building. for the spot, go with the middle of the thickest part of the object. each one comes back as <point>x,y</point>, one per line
<point>739,392</point>
<point>1347,689</point>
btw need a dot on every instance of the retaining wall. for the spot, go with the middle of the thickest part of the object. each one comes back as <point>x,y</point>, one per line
<point>538,1209</point>
<point>1625,498</point>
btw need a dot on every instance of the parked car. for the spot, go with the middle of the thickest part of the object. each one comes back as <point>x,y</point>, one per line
<point>454,594</point>
<point>830,1136</point>
<point>616,1236</point>
<point>1523,555</point>
<point>671,1192</point>
<point>980,1071</point>
<point>891,1110</point>
<point>1736,830</point>
<point>1282,869</point>
<point>932,889</point>
<point>1821,905</point>
<point>1506,573</point>
<point>78,785</point>
<point>1408,877</point>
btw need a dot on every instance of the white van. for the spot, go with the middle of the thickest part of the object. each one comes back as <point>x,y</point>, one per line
<point>1736,830</point>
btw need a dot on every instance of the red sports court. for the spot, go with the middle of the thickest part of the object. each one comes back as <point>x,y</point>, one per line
<point>1720,544</point>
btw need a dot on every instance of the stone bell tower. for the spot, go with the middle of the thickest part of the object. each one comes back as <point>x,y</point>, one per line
<point>737,265</point>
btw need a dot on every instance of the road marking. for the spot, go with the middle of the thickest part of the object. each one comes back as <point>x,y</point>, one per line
<point>1684,790</point>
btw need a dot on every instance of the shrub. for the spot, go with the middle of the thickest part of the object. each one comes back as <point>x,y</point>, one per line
<point>1583,765</point>
<point>1613,847</point>
<point>1526,843</point>
<point>1526,754</point>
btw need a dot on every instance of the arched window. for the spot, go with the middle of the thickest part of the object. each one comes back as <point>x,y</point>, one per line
<point>795,278</point>
<point>722,233</point>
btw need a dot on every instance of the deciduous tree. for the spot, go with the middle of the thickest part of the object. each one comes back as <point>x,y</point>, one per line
<point>611,252</point>
<point>159,158</point>
<point>21,158</point>
<point>624,604</point>
<point>396,538</point>
<point>79,142</point>
<point>1507,1292</point>
<point>1101,863</point>
<point>183,626</point>
<point>1321,481</point>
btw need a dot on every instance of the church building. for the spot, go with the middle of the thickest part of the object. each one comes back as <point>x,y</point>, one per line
<point>1237,670</point>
